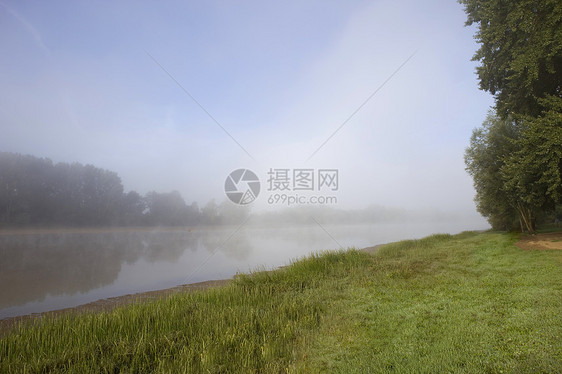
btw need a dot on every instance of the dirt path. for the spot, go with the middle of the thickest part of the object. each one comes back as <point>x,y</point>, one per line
<point>548,241</point>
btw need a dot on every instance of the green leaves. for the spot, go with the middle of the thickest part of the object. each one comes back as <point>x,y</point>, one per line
<point>520,52</point>
<point>534,172</point>
<point>484,158</point>
<point>517,166</point>
<point>521,65</point>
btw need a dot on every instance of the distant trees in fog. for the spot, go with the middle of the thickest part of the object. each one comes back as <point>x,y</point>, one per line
<point>35,191</point>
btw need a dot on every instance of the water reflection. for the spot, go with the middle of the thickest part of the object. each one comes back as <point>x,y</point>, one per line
<point>46,271</point>
<point>32,266</point>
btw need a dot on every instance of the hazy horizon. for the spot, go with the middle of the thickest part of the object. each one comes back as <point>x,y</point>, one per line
<point>102,87</point>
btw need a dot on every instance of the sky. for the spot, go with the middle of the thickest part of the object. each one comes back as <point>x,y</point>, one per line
<point>175,95</point>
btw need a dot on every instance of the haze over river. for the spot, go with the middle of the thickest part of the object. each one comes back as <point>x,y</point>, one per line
<point>46,270</point>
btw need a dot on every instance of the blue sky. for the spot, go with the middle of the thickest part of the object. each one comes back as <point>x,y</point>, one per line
<point>280,77</point>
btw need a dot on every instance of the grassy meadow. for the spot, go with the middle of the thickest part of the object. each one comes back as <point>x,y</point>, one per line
<point>471,302</point>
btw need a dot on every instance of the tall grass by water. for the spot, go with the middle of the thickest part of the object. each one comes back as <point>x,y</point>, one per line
<point>464,303</point>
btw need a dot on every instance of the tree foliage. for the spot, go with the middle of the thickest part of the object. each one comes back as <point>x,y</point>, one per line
<point>520,51</point>
<point>517,167</point>
<point>485,158</point>
<point>521,65</point>
<point>36,192</point>
<point>533,173</point>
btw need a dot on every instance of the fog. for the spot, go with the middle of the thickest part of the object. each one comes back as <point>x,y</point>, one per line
<point>269,83</point>
<point>237,136</point>
<point>53,270</point>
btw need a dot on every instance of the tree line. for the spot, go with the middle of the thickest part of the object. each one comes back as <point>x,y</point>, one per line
<point>515,157</point>
<point>36,192</point>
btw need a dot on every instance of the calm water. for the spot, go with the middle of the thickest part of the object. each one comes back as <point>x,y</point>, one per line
<point>42,272</point>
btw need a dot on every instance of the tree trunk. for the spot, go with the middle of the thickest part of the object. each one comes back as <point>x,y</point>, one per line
<point>525,214</point>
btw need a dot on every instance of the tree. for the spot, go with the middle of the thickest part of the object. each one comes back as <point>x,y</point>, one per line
<point>534,172</point>
<point>102,194</point>
<point>34,191</point>
<point>520,52</point>
<point>166,209</point>
<point>132,209</point>
<point>210,213</point>
<point>193,214</point>
<point>521,65</point>
<point>484,159</point>
<point>232,214</point>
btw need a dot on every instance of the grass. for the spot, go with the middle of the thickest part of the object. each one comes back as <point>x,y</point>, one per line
<point>464,303</point>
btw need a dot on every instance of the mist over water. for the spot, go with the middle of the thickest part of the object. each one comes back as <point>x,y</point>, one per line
<point>49,271</point>
<point>147,145</point>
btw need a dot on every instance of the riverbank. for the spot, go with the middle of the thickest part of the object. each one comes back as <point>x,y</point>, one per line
<point>106,305</point>
<point>472,302</point>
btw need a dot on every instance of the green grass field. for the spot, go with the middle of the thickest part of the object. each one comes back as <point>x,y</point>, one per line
<point>472,302</point>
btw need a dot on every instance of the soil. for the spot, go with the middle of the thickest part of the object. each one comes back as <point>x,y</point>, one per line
<point>547,241</point>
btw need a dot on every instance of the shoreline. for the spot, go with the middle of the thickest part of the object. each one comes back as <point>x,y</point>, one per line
<point>544,241</point>
<point>108,304</point>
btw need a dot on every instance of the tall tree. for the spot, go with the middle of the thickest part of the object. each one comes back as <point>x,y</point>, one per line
<point>534,172</point>
<point>166,209</point>
<point>210,213</point>
<point>133,207</point>
<point>34,191</point>
<point>485,158</point>
<point>520,52</point>
<point>521,65</point>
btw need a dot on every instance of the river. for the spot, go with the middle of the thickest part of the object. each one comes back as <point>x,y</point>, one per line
<point>49,270</point>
